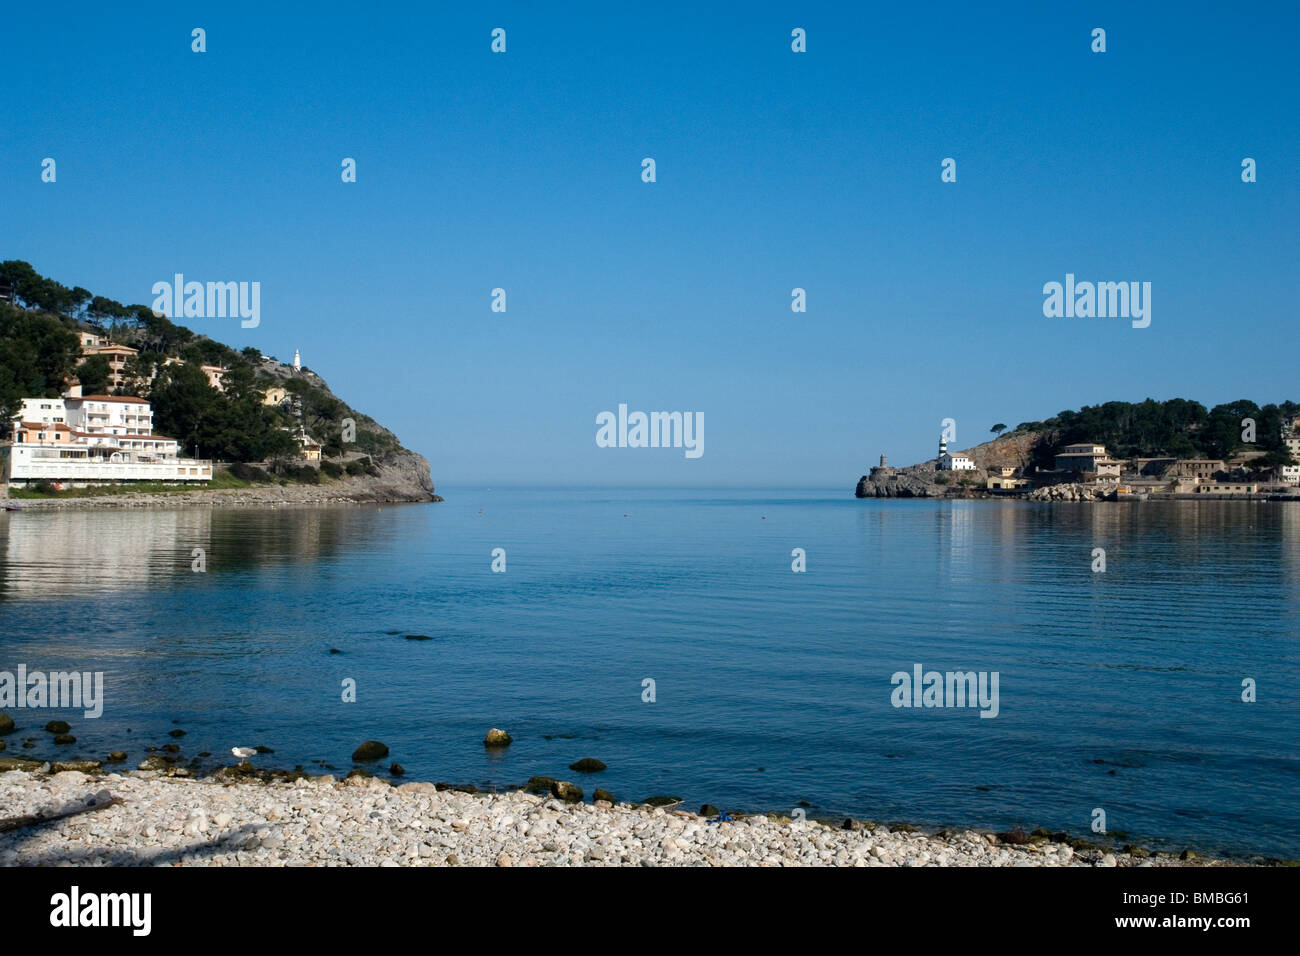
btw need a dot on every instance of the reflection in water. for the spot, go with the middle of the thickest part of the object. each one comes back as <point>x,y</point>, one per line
<point>1290,548</point>
<point>49,554</point>
<point>53,555</point>
<point>957,540</point>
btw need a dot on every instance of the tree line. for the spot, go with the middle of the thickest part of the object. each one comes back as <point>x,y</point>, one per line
<point>1177,428</point>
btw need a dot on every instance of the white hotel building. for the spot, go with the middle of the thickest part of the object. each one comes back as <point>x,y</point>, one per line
<point>78,440</point>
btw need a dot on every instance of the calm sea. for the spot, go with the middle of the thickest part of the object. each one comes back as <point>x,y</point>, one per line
<point>1119,690</point>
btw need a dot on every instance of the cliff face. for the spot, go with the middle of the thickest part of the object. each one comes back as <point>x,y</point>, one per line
<point>403,475</point>
<point>919,481</point>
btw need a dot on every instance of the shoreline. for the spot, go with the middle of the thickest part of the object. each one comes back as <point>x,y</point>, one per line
<point>403,478</point>
<point>339,493</point>
<point>1068,492</point>
<point>243,816</point>
<point>1048,499</point>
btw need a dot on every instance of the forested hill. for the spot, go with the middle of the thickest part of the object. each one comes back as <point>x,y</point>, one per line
<point>1177,428</point>
<point>41,324</point>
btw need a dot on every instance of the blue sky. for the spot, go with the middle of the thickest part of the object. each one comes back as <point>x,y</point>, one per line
<point>775,170</point>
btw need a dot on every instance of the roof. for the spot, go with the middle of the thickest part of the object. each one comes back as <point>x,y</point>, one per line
<point>42,426</point>
<point>109,398</point>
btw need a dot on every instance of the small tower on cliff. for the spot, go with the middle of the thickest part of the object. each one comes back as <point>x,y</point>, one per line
<point>884,462</point>
<point>297,361</point>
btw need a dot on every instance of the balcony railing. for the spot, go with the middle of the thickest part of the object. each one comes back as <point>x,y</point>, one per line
<point>81,469</point>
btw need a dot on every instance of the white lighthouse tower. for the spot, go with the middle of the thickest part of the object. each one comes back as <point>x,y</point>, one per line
<point>297,361</point>
<point>947,462</point>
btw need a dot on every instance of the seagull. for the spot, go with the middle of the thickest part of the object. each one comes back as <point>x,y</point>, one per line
<point>243,753</point>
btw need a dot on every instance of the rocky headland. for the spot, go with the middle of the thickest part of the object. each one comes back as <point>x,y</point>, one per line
<point>925,481</point>
<point>275,431</point>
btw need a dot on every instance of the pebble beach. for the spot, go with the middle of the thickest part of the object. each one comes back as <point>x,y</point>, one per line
<point>147,818</point>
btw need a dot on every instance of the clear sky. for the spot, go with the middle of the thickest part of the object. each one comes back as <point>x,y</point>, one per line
<point>775,170</point>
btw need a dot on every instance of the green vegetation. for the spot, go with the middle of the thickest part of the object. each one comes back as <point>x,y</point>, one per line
<point>37,352</point>
<point>94,374</point>
<point>234,426</point>
<point>40,350</point>
<point>998,429</point>
<point>303,474</point>
<point>323,415</point>
<point>1177,428</point>
<point>361,466</point>
<point>44,490</point>
<point>249,473</point>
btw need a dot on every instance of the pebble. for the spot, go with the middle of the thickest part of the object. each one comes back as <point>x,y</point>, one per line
<point>369,822</point>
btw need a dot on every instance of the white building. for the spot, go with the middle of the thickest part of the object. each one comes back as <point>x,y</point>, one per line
<point>1291,473</point>
<point>93,415</point>
<point>92,438</point>
<point>948,462</point>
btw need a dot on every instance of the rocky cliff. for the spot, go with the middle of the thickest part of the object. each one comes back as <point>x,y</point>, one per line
<point>403,475</point>
<point>923,481</point>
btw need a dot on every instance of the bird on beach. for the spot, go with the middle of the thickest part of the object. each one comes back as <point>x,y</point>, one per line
<point>243,753</point>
